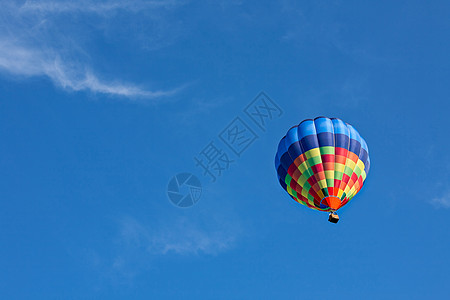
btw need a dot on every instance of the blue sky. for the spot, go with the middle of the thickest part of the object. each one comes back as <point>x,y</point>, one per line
<point>102,102</point>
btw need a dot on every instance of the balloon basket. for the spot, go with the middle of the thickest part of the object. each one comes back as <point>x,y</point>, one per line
<point>333,217</point>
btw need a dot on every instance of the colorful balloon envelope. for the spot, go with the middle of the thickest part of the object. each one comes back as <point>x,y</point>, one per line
<point>322,163</point>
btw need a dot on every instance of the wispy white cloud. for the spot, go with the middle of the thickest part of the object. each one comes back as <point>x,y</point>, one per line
<point>441,202</point>
<point>139,245</point>
<point>99,7</point>
<point>30,62</point>
<point>33,42</point>
<point>184,238</point>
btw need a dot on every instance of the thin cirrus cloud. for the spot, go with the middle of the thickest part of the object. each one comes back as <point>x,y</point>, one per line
<point>441,202</point>
<point>35,42</point>
<point>93,6</point>
<point>138,245</point>
<point>182,237</point>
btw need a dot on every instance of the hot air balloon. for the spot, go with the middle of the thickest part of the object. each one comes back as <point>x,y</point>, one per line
<point>322,164</point>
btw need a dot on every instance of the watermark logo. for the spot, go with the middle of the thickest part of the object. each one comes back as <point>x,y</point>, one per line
<point>238,136</point>
<point>184,190</point>
<point>213,161</point>
<point>219,154</point>
<point>262,110</point>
